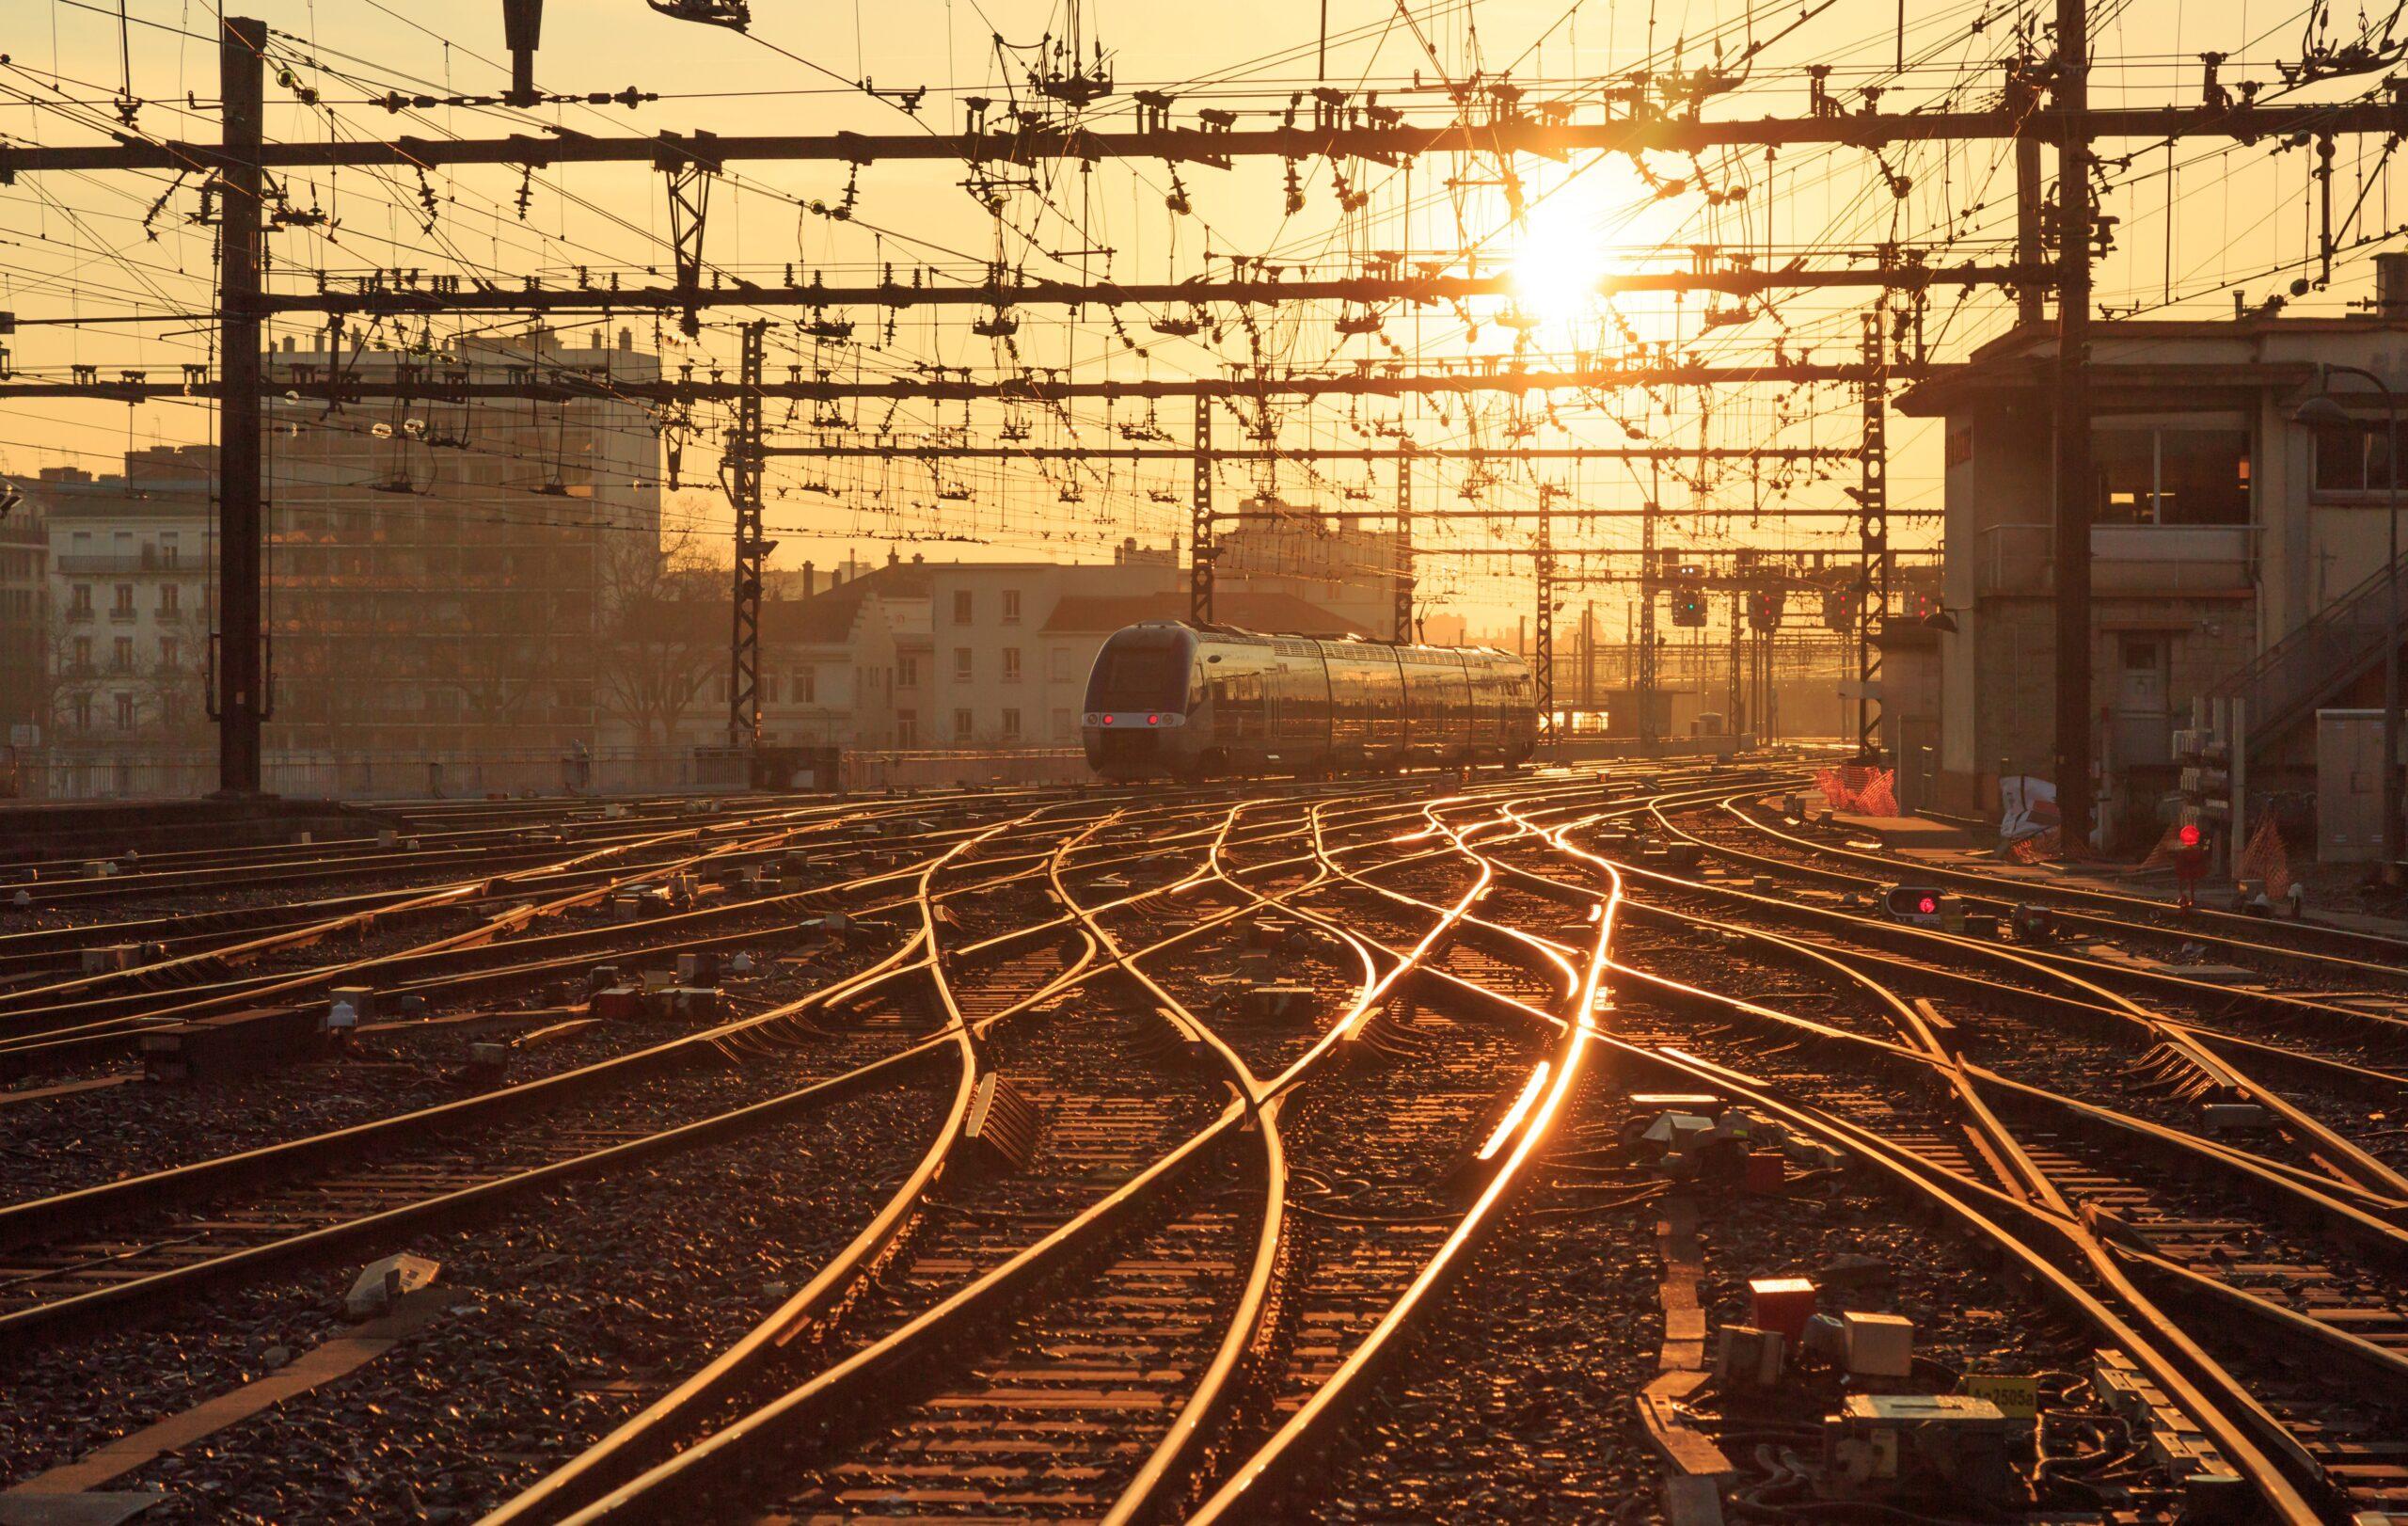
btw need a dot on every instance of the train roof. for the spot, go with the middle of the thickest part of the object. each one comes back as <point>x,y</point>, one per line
<point>1242,633</point>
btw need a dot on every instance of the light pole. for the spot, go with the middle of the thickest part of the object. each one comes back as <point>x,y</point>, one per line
<point>2321,412</point>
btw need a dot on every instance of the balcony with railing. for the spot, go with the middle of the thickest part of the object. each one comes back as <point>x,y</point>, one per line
<point>118,563</point>
<point>2125,559</point>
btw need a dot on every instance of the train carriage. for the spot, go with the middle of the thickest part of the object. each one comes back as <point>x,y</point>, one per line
<point>1166,699</point>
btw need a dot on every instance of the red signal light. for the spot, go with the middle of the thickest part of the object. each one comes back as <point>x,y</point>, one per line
<point>1153,719</point>
<point>1927,905</point>
<point>2189,835</point>
<point>1107,720</point>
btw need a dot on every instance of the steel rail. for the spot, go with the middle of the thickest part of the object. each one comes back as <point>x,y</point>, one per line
<point>1278,1457</point>
<point>2347,1161</point>
<point>2386,957</point>
<point>645,1498</point>
<point>636,1443</point>
<point>2031,1191</point>
<point>606,1466</point>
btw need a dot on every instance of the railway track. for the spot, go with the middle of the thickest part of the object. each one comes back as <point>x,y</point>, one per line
<point>1221,1094</point>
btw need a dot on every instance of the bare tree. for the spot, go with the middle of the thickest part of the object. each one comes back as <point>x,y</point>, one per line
<point>663,632</point>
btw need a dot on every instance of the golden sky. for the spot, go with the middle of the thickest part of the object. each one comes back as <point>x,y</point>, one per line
<point>2199,222</point>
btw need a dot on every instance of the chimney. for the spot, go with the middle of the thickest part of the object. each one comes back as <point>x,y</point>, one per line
<point>627,339</point>
<point>919,558</point>
<point>2391,285</point>
<point>893,556</point>
<point>288,339</point>
<point>835,578</point>
<point>810,576</point>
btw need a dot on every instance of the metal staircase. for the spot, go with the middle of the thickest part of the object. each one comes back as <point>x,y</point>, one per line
<point>2286,681</point>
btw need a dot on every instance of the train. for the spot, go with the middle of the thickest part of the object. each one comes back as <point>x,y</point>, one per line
<point>1171,700</point>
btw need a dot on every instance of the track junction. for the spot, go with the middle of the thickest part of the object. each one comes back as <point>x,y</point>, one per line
<point>1423,1150</point>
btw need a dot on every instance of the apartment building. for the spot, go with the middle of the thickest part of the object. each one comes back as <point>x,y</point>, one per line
<point>125,643</point>
<point>24,635</point>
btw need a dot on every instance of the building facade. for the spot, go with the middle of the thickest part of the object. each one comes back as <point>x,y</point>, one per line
<point>25,637</point>
<point>443,573</point>
<point>1327,561</point>
<point>125,645</point>
<point>2225,530</point>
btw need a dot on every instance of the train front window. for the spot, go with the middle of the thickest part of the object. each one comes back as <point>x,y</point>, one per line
<point>1138,679</point>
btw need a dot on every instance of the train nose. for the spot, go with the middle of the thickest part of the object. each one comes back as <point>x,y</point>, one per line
<point>1111,749</point>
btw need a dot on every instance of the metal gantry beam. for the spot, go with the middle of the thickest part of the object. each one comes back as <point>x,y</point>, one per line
<point>686,206</point>
<point>1492,135</point>
<point>1403,453</point>
<point>550,384</point>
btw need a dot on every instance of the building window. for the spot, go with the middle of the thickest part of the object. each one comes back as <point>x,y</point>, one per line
<point>122,655</point>
<point>961,664</point>
<point>806,686</point>
<point>83,658</point>
<point>1059,665</point>
<point>168,653</point>
<point>125,712</point>
<point>1011,605</point>
<point>961,606</point>
<point>2352,460</point>
<point>123,608</point>
<point>2172,476</point>
<point>169,549</point>
<point>1063,728</point>
<point>906,670</point>
<point>1011,664</point>
<point>170,601</point>
<point>907,728</point>
<point>961,725</point>
<point>83,709</point>
<point>1011,725</point>
<point>79,600</point>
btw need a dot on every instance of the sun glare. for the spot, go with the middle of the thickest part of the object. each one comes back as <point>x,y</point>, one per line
<point>1556,261</point>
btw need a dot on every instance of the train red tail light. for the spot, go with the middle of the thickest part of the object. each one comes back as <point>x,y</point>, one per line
<point>1153,719</point>
<point>2189,835</point>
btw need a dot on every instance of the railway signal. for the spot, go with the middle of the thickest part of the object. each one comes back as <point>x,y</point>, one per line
<point>1688,605</point>
<point>1765,607</point>
<point>1918,905</point>
<point>1840,608</point>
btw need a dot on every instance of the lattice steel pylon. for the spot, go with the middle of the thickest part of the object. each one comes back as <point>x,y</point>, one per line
<point>1543,622</point>
<point>1873,502</point>
<point>1644,682</point>
<point>1200,548</point>
<point>742,472</point>
<point>1403,570</point>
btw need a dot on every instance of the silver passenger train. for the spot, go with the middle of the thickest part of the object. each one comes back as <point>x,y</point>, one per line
<point>1170,700</point>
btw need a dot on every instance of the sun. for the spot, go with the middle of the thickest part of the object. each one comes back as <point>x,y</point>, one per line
<point>1556,264</point>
